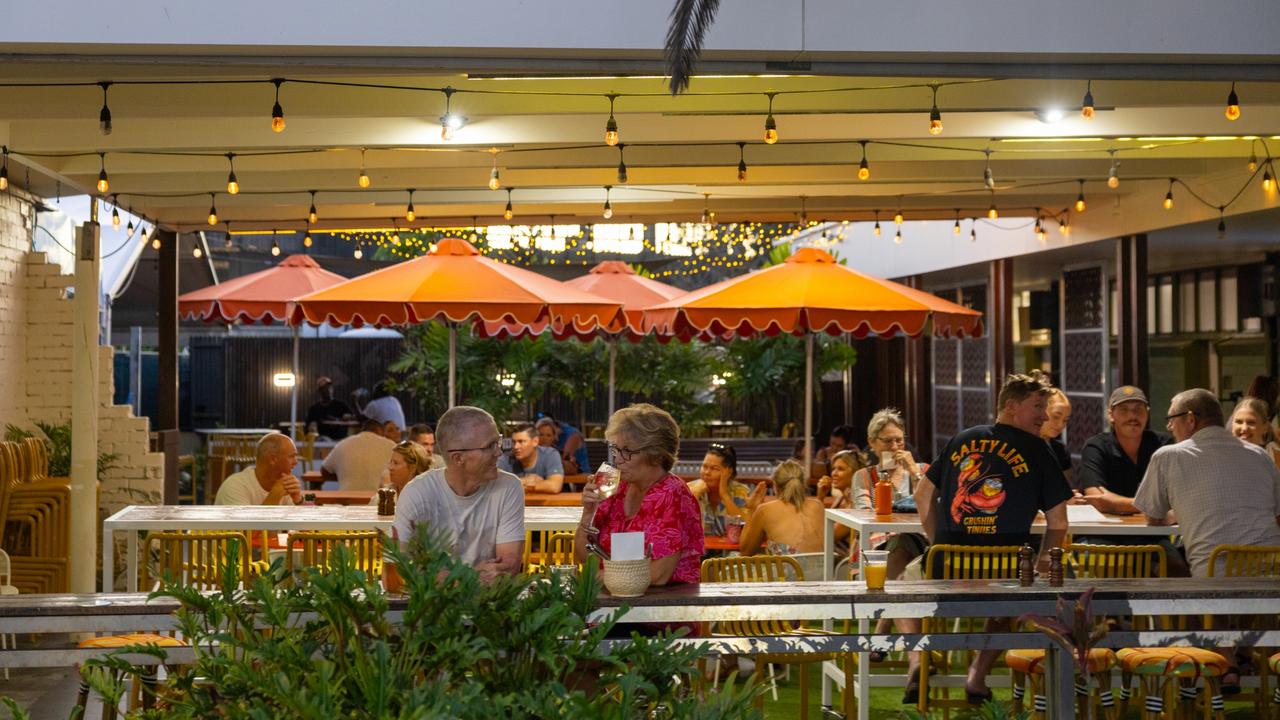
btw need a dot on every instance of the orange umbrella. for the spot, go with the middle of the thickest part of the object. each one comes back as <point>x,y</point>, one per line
<point>455,283</point>
<point>262,297</point>
<point>613,280</point>
<point>811,293</point>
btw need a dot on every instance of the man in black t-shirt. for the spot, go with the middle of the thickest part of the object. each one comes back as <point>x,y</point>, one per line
<point>328,409</point>
<point>1112,463</point>
<point>987,487</point>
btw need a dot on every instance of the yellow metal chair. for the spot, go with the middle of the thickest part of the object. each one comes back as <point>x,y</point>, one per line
<point>1250,561</point>
<point>775,568</point>
<point>960,562</point>
<point>317,546</point>
<point>193,559</point>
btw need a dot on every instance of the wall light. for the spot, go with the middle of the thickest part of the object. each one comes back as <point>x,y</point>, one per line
<point>284,380</point>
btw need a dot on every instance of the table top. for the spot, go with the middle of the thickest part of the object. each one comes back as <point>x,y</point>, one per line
<point>718,542</point>
<point>343,497</point>
<point>539,519</point>
<point>235,431</point>
<point>248,517</point>
<point>563,499</point>
<point>868,521</point>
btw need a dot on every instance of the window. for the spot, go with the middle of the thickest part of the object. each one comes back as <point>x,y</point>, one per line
<point>1206,289</point>
<point>1227,299</point>
<point>1187,302</point>
<point>1166,304</point>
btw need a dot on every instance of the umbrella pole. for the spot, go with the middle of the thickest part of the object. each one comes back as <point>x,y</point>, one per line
<point>808,402</point>
<point>453,363</point>
<point>613,362</point>
<point>293,391</point>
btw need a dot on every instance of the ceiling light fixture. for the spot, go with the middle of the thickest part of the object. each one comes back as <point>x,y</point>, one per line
<point>935,117</point>
<point>1233,104</point>
<point>770,125</point>
<point>1086,106</point>
<point>611,125</point>
<point>277,112</point>
<point>864,170</point>
<point>104,116</point>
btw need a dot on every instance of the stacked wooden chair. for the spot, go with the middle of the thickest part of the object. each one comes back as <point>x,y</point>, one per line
<point>34,517</point>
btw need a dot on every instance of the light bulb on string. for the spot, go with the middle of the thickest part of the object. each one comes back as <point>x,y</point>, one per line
<point>277,112</point>
<point>359,252</point>
<point>988,179</point>
<point>128,228</point>
<point>115,213</point>
<point>897,237</point>
<point>1168,197</point>
<point>898,218</point>
<point>1086,106</point>
<point>1080,198</point>
<point>1113,175</point>
<point>213,210</point>
<point>1233,104</point>
<point>155,238</point>
<point>409,214</point>
<point>104,183</point>
<point>1063,227</point>
<point>742,162</point>
<point>876,230</point>
<point>306,238</point>
<point>233,185</point>
<point>1039,227</point>
<point>607,212</point>
<point>770,125</point>
<point>1268,184</point>
<point>1253,160</point>
<point>1222,222</point>
<point>312,215</point>
<point>864,170</point>
<point>495,181</point>
<point>992,212</point>
<point>955,229</point>
<point>611,125</point>
<point>363,178</point>
<point>196,252</point>
<point>104,116</point>
<point>935,117</point>
<point>973,232</point>
<point>450,122</point>
<point>622,165</point>
<point>507,213</point>
<point>275,244</point>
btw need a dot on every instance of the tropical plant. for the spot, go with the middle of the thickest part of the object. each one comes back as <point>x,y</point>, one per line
<point>674,376</point>
<point>423,369</point>
<point>330,646</point>
<point>57,437</point>
<point>1074,629</point>
<point>990,710</point>
<point>690,21</point>
<point>772,369</point>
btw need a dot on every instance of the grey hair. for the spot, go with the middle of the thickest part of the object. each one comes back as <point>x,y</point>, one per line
<point>651,426</point>
<point>456,422</point>
<point>269,445</point>
<point>1202,403</point>
<point>886,416</point>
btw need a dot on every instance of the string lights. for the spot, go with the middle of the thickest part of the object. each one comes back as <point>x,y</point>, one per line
<point>409,214</point>
<point>876,230</point>
<point>1113,175</point>
<point>955,229</point>
<point>864,170</point>
<point>742,162</point>
<point>155,238</point>
<point>1233,105</point>
<point>104,183</point>
<point>104,115</point>
<point>770,125</point>
<point>363,178</point>
<point>1168,197</point>
<point>935,117</point>
<point>1086,106</point>
<point>275,244</point>
<point>1080,198</point>
<point>611,125</point>
<point>277,112</point>
<point>1268,184</point>
<point>622,165</point>
<point>1222,222</point>
<point>988,179</point>
<point>115,213</point>
<point>495,180</point>
<point>508,213</point>
<point>196,251</point>
<point>306,239</point>
<point>312,215</point>
<point>607,211</point>
<point>233,185</point>
<point>213,210</point>
<point>992,212</point>
<point>450,122</point>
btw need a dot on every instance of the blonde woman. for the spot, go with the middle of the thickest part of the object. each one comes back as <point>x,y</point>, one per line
<point>1249,423</point>
<point>408,461</point>
<point>789,526</point>
<point>1058,408</point>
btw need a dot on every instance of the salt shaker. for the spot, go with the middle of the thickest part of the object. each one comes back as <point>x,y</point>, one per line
<point>1026,566</point>
<point>1055,567</point>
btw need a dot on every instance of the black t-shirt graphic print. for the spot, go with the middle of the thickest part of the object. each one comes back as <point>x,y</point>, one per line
<point>991,480</point>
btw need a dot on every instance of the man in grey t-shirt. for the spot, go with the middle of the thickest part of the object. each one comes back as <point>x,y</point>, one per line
<point>479,506</point>
<point>539,468</point>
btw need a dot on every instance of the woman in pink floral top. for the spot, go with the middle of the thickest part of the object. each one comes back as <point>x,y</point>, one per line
<point>643,441</point>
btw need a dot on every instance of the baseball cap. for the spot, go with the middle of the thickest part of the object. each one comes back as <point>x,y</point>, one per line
<point>323,380</point>
<point>1125,393</point>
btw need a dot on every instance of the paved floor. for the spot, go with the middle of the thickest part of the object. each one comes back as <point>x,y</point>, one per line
<point>45,693</point>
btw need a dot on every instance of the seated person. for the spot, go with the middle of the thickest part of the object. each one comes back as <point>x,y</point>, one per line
<point>538,467</point>
<point>643,440</point>
<point>408,461</point>
<point>1249,422</point>
<point>1112,463</point>
<point>836,491</point>
<point>269,481</point>
<point>841,439</point>
<point>326,410</point>
<point>886,437</point>
<point>721,498</point>
<point>386,409</point>
<point>1059,411</point>
<point>787,527</point>
<point>357,462</point>
<point>471,500</point>
<point>568,440</point>
<point>426,437</point>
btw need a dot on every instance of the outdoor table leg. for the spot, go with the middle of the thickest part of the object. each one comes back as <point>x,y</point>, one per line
<point>108,559</point>
<point>1059,681</point>
<point>828,572</point>
<point>864,627</point>
<point>131,582</point>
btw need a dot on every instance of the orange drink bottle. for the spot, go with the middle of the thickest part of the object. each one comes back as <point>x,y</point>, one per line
<point>883,500</point>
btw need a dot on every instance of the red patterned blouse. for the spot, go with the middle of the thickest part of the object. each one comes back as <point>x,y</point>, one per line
<point>668,517</point>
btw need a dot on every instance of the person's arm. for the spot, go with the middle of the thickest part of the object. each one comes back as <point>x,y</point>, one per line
<point>590,501</point>
<point>329,468</point>
<point>1055,533</point>
<point>507,562</point>
<point>757,496</point>
<point>285,485</point>
<point>753,534</point>
<point>924,495</point>
<point>1108,502</point>
<point>548,473</point>
<point>571,446</point>
<point>860,488</point>
<point>1152,499</point>
<point>553,484</point>
<point>661,569</point>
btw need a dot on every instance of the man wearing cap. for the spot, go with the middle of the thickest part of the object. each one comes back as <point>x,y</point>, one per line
<point>1112,463</point>
<point>326,410</point>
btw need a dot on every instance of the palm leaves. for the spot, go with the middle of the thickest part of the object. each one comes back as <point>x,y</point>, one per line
<point>690,20</point>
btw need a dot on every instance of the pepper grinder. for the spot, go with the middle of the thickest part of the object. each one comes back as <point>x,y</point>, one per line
<point>1055,567</point>
<point>1026,566</point>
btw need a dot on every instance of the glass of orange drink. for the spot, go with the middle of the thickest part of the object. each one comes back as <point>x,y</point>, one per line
<point>875,566</point>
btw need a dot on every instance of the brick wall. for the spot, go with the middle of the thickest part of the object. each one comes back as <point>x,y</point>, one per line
<point>36,318</point>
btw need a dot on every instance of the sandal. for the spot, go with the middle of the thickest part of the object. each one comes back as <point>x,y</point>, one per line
<point>911,694</point>
<point>1230,687</point>
<point>975,698</point>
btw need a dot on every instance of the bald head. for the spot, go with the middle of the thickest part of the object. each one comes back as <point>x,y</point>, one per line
<point>459,424</point>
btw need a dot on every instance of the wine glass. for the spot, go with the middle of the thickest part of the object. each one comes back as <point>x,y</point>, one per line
<point>607,479</point>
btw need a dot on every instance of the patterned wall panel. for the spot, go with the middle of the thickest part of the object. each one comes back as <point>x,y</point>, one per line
<point>976,405</point>
<point>946,417</point>
<point>1087,420</point>
<point>1082,362</point>
<point>946,357</point>
<point>1084,308</point>
<point>973,369</point>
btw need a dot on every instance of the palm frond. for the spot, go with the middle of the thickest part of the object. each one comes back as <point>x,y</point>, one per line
<point>690,20</point>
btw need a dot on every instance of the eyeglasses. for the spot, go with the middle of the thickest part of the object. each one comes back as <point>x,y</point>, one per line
<point>622,454</point>
<point>490,448</point>
<point>1170,418</point>
<point>900,440</point>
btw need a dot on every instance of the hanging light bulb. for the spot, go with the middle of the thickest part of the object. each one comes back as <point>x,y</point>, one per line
<point>233,186</point>
<point>155,238</point>
<point>275,245</point>
<point>992,212</point>
<point>876,230</point>
<point>1222,223</point>
<point>1039,229</point>
<point>196,251</point>
<point>1168,197</point>
<point>607,212</point>
<point>128,228</point>
<point>104,183</point>
<point>804,214</point>
<point>955,229</point>
<point>770,125</point>
<point>363,178</point>
<point>973,233</point>
<point>1086,106</point>
<point>1063,227</point>
<point>897,218</point>
<point>306,239</point>
<point>1080,198</point>
<point>450,122</point>
<point>115,214</point>
<point>864,170</point>
<point>1268,184</point>
<point>1233,104</point>
<point>935,117</point>
<point>507,213</point>
<point>742,162</point>
<point>988,179</point>
<point>611,125</point>
<point>495,181</point>
<point>622,165</point>
<point>359,252</point>
<point>104,117</point>
<point>409,214</point>
<point>1113,175</point>
<point>277,112</point>
<point>1253,160</point>
<point>213,210</point>
<point>312,216</point>
<point>4,169</point>
<point>897,237</point>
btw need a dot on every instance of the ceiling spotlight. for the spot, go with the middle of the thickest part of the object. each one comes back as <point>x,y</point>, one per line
<point>233,186</point>
<point>277,112</point>
<point>935,117</point>
<point>611,125</point>
<point>1233,106</point>
<point>864,170</point>
<point>770,125</point>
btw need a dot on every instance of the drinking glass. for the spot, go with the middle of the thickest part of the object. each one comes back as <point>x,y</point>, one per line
<point>887,461</point>
<point>606,479</point>
<point>875,566</point>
